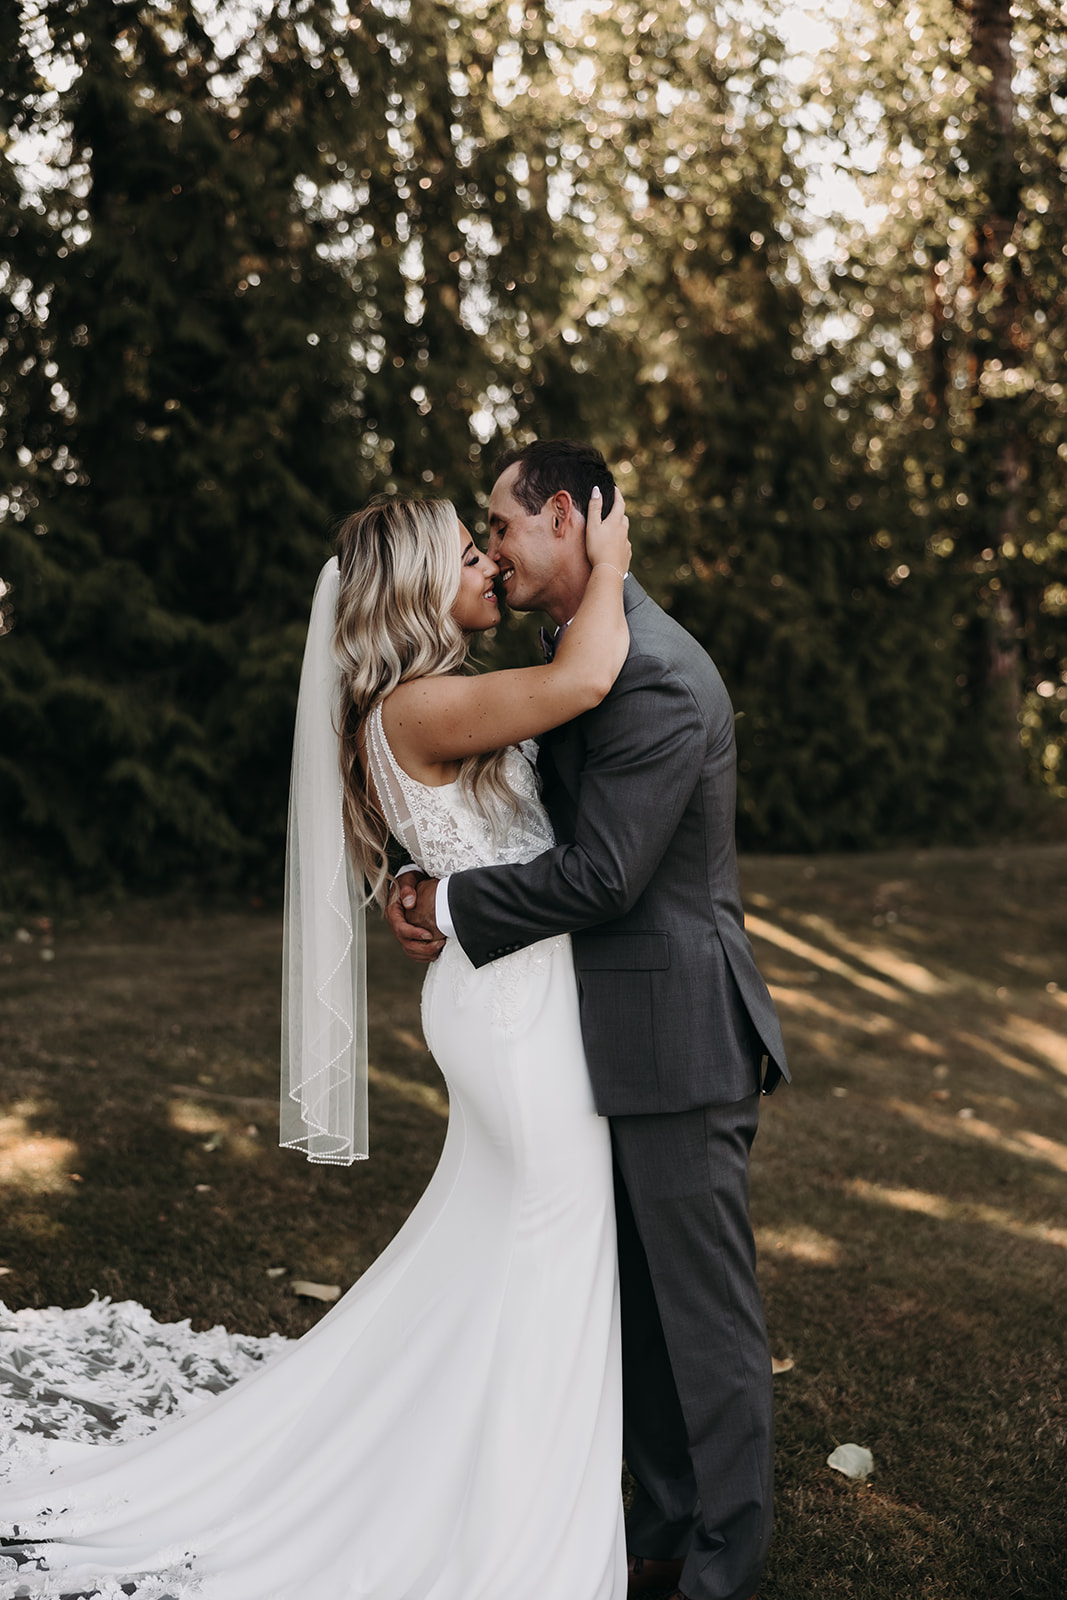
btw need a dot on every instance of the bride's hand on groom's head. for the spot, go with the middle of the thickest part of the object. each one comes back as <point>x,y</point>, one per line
<point>607,541</point>
<point>409,913</point>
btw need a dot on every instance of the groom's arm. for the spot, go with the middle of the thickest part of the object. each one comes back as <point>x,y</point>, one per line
<point>645,747</point>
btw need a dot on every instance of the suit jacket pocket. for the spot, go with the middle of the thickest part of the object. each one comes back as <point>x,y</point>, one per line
<point>622,952</point>
<point>620,1036</point>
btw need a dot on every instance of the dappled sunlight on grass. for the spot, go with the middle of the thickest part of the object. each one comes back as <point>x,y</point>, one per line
<point>944,1210</point>
<point>762,928</point>
<point>1040,1040</point>
<point>911,1256</point>
<point>34,1162</point>
<point>806,1003</point>
<point>240,1137</point>
<point>408,1040</point>
<point>922,1044</point>
<point>997,1010</point>
<point>152,1052</point>
<point>189,1117</point>
<point>1020,1142</point>
<point>801,1243</point>
<point>922,1002</point>
<point>908,974</point>
<point>424,1095</point>
<point>1048,1149</point>
<point>1026,1069</point>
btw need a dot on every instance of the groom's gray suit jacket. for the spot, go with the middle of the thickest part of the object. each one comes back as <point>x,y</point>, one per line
<point>640,791</point>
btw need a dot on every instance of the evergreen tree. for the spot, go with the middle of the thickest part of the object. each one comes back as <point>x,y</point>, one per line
<point>758,523</point>
<point>201,438</point>
<point>260,264</point>
<point>230,314</point>
<point>957,302</point>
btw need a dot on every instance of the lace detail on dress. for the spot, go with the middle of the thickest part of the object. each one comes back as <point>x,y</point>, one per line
<point>106,1372</point>
<point>36,1584</point>
<point>102,1373</point>
<point>444,831</point>
<point>442,827</point>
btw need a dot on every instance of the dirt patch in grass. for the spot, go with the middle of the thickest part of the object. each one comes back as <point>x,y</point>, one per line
<point>908,1191</point>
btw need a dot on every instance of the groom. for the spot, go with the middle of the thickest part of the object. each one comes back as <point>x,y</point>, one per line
<point>680,1032</point>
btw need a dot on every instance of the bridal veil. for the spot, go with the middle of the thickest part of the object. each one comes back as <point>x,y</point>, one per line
<point>324,1013</point>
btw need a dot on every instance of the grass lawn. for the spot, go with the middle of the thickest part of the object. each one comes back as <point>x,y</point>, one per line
<point>908,1190</point>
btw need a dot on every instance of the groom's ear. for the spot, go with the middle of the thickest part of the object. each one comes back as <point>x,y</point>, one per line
<point>563,508</point>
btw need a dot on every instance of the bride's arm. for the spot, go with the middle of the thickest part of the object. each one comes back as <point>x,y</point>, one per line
<point>438,720</point>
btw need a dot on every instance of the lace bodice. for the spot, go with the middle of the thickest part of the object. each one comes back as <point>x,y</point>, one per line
<point>441,827</point>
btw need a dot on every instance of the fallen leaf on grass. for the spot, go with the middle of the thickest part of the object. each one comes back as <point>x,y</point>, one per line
<point>315,1291</point>
<point>852,1459</point>
<point>782,1366</point>
<point>214,1143</point>
<point>5,1271</point>
<point>277,1272</point>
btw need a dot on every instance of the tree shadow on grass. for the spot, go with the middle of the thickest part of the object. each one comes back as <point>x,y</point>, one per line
<point>912,1256</point>
<point>909,1202</point>
<point>138,1150</point>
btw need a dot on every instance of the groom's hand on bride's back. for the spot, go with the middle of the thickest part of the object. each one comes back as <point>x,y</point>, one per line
<point>409,913</point>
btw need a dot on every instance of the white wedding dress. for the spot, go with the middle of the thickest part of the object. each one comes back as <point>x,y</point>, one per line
<point>451,1429</point>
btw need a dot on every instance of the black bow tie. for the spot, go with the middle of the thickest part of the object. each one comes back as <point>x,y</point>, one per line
<point>548,643</point>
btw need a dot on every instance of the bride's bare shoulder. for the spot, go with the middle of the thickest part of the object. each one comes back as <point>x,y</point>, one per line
<point>416,697</point>
<point>409,714</point>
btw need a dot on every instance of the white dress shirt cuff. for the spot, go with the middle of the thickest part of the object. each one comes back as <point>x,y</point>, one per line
<point>440,910</point>
<point>409,866</point>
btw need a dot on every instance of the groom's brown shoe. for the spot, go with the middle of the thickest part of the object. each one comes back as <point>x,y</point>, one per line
<point>647,1576</point>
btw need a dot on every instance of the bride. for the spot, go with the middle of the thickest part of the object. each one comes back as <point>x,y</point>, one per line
<point>451,1430</point>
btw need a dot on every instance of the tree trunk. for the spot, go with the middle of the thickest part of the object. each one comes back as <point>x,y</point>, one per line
<point>997,352</point>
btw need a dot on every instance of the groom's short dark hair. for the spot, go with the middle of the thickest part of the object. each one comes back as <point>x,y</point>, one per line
<point>549,465</point>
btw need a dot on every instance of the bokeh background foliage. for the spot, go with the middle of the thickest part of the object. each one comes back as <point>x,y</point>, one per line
<point>261,260</point>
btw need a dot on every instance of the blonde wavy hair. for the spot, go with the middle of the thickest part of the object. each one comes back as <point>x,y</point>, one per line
<point>400,572</point>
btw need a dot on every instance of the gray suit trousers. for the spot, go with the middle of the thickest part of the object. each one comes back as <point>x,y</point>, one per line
<point>698,1417</point>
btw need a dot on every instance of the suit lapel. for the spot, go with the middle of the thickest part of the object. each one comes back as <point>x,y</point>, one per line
<point>562,750</point>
